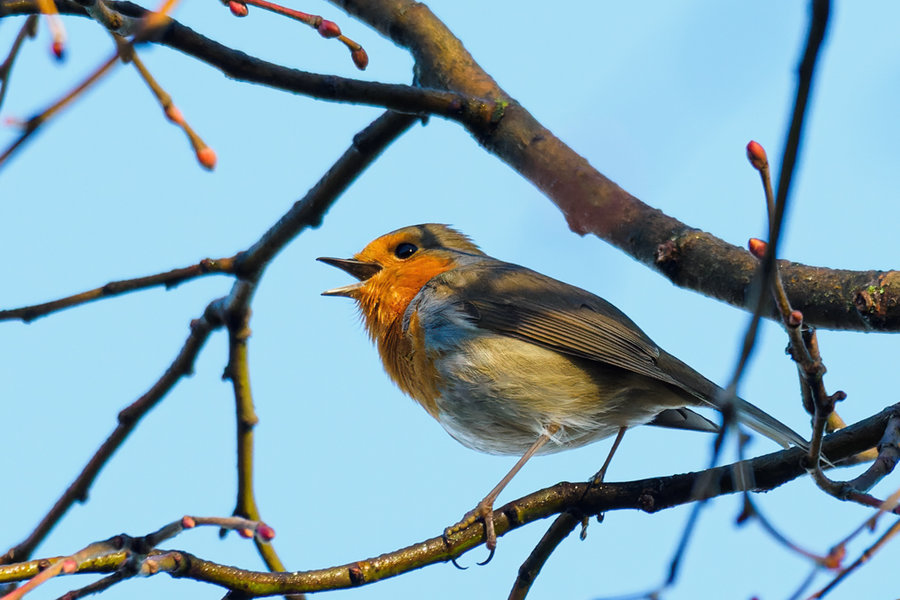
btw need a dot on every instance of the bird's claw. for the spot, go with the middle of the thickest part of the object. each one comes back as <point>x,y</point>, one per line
<point>585,521</point>
<point>446,537</point>
<point>488,559</point>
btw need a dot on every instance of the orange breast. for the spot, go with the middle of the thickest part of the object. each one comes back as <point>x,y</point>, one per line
<point>383,303</point>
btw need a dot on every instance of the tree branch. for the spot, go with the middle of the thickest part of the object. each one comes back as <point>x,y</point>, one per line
<point>169,279</point>
<point>243,67</point>
<point>591,203</point>
<point>649,495</point>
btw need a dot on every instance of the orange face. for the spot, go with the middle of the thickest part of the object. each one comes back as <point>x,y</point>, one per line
<point>394,267</point>
<point>384,297</point>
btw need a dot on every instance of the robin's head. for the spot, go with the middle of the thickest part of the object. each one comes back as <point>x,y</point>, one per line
<point>393,268</point>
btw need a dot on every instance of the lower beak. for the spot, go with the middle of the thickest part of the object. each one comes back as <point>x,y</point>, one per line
<point>359,269</point>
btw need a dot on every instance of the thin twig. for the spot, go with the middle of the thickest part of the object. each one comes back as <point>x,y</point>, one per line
<point>136,550</point>
<point>70,564</point>
<point>205,155</point>
<point>818,22</point>
<point>54,24</point>
<point>815,36</point>
<point>804,351</point>
<point>28,30</point>
<point>863,558</point>
<point>752,510</point>
<point>326,28</point>
<point>559,530</point>
<point>34,123</point>
<point>803,344</point>
<point>240,66</point>
<point>169,279</point>
<point>95,587</point>
<point>248,528</point>
<point>888,506</point>
<point>238,371</point>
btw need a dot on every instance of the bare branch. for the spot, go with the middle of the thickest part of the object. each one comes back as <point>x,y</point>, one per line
<point>30,126</point>
<point>648,495</point>
<point>238,371</point>
<point>830,298</point>
<point>591,203</point>
<point>29,29</point>
<point>559,530</point>
<point>169,279</point>
<point>886,460</point>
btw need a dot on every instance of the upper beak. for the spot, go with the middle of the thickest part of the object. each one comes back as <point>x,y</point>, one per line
<point>359,269</point>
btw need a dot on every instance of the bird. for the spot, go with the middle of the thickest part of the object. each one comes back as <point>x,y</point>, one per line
<point>511,361</point>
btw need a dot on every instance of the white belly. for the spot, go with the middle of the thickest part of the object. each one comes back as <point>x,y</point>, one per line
<point>503,393</point>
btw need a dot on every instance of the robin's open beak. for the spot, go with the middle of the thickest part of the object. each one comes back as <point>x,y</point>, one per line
<point>359,269</point>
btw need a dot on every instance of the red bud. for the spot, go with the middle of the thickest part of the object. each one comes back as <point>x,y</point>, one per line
<point>328,29</point>
<point>265,532</point>
<point>188,522</point>
<point>757,247</point>
<point>245,533</point>
<point>360,59</point>
<point>59,49</point>
<point>207,157</point>
<point>757,156</point>
<point>795,319</point>
<point>69,566</point>
<point>835,557</point>
<point>238,9</point>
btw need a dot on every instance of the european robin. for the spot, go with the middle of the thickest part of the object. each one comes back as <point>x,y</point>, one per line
<point>510,361</point>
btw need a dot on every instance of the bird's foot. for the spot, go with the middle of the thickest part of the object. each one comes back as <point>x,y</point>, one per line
<point>485,513</point>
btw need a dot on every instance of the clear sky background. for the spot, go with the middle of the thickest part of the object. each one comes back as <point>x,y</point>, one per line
<point>661,97</point>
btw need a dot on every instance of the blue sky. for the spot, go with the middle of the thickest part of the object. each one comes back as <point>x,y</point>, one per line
<point>659,97</point>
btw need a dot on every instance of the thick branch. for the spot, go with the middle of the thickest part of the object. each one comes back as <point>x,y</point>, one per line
<point>591,203</point>
<point>649,495</point>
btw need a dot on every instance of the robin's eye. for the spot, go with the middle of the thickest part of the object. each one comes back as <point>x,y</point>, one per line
<point>405,250</point>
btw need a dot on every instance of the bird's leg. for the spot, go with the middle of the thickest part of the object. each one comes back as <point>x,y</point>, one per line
<point>598,478</point>
<point>485,509</point>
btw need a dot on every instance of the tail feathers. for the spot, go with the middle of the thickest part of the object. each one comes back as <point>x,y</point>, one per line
<point>767,425</point>
<point>683,418</point>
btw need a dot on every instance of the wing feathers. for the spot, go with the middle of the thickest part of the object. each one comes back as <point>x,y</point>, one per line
<point>574,328</point>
